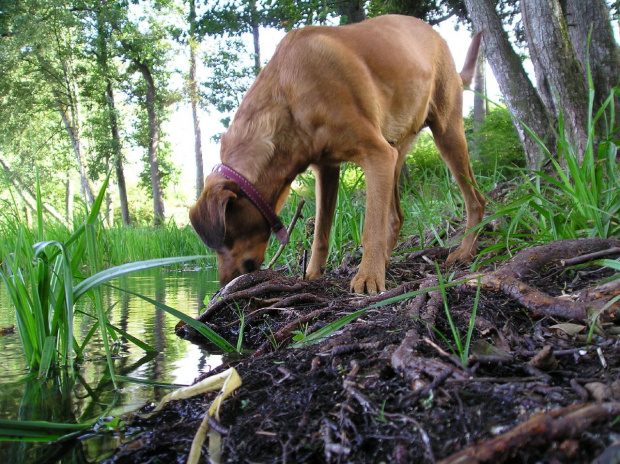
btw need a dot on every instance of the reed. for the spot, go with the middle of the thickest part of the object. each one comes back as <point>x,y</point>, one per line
<point>122,244</point>
<point>577,196</point>
<point>45,278</point>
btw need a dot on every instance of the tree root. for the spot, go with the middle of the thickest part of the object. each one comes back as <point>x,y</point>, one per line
<point>282,284</point>
<point>287,303</point>
<point>285,332</point>
<point>527,264</point>
<point>542,428</point>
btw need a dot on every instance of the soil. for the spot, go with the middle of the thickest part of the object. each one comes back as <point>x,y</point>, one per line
<point>538,386</point>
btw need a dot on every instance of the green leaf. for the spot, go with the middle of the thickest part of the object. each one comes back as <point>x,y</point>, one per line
<point>145,346</point>
<point>203,329</point>
<point>114,272</point>
<point>39,431</point>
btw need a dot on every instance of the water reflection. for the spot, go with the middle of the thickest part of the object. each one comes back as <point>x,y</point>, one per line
<point>177,361</point>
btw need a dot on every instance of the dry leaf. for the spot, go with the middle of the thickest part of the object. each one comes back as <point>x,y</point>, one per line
<point>568,328</point>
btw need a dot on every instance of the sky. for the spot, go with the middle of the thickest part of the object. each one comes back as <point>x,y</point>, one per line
<point>180,126</point>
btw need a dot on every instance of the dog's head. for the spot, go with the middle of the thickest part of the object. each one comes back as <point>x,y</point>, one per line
<point>230,224</point>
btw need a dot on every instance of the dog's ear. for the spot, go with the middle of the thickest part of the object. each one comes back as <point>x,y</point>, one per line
<point>208,215</point>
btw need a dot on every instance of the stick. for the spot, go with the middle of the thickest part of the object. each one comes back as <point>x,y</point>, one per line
<point>291,226</point>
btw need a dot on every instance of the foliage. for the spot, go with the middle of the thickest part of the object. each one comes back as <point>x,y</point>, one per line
<point>572,199</point>
<point>494,144</point>
<point>231,76</point>
<point>431,11</point>
<point>462,350</point>
<point>424,156</point>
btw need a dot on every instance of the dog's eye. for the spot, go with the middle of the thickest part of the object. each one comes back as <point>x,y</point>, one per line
<point>249,266</point>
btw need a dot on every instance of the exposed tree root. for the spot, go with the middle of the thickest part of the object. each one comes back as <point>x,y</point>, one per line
<point>539,430</point>
<point>387,388</point>
<point>261,289</point>
<point>286,332</point>
<point>532,262</point>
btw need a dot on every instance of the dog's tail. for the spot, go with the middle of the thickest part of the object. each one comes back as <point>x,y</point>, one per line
<point>469,68</point>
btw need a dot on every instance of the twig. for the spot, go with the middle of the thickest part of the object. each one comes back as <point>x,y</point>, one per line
<point>589,257</point>
<point>540,429</point>
<point>351,389</point>
<point>291,226</point>
<point>450,357</point>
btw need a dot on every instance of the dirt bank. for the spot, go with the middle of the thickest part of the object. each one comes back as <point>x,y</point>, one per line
<point>390,386</point>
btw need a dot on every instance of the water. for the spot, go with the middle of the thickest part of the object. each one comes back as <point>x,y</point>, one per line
<point>177,362</point>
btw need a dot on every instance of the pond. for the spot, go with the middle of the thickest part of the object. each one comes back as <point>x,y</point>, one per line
<point>177,362</point>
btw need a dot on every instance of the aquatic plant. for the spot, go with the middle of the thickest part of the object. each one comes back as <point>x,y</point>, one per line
<point>45,278</point>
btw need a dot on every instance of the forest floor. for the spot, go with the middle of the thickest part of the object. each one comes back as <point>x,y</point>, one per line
<point>538,385</point>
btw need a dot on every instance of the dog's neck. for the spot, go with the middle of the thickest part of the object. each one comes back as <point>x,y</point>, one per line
<point>276,226</point>
<point>252,147</point>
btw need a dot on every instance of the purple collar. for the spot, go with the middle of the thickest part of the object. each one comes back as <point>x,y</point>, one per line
<point>267,211</point>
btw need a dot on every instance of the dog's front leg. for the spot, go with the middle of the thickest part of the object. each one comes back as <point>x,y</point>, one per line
<point>327,178</point>
<point>379,172</point>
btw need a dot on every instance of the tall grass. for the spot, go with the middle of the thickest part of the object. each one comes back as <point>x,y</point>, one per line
<point>123,244</point>
<point>577,197</point>
<point>346,233</point>
<point>45,278</point>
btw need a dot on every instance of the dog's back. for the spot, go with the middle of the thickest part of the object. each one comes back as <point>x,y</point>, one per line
<point>391,70</point>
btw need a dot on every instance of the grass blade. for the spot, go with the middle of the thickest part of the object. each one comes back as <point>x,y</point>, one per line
<point>205,330</point>
<point>117,271</point>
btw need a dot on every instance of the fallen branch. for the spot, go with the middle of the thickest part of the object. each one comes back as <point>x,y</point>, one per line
<point>559,424</point>
<point>590,256</point>
<point>509,279</point>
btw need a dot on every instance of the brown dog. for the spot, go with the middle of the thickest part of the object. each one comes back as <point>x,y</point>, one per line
<point>356,93</point>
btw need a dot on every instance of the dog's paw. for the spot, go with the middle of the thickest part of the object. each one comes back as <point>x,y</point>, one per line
<point>460,257</point>
<point>368,283</point>
<point>314,273</point>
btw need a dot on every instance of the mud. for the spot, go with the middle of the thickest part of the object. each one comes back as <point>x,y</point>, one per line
<point>537,384</point>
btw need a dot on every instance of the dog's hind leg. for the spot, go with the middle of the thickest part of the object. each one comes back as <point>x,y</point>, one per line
<point>327,178</point>
<point>451,142</point>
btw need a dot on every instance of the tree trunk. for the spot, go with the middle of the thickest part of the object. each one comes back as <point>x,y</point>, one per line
<point>69,201</point>
<point>109,211</point>
<point>255,20</point>
<point>70,113</point>
<point>480,103</point>
<point>557,67</point>
<point>118,154</point>
<point>71,126</point>
<point>521,97</point>
<point>592,17</point>
<point>194,99</point>
<point>351,11</point>
<point>158,195</point>
<point>103,60</point>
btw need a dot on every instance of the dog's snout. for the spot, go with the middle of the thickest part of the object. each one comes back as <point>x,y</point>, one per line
<point>249,265</point>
